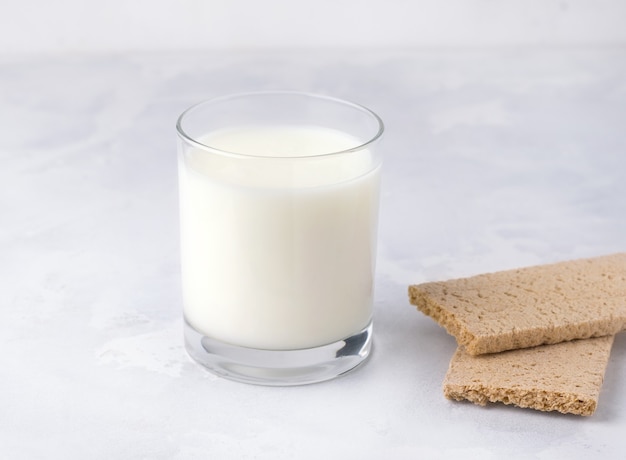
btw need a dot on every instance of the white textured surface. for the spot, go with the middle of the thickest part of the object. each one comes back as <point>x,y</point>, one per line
<point>494,160</point>
<point>118,25</point>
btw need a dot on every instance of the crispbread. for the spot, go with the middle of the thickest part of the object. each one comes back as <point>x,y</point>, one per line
<point>565,377</point>
<point>529,306</point>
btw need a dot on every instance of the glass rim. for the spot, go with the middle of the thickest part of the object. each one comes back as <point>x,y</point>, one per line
<point>361,108</point>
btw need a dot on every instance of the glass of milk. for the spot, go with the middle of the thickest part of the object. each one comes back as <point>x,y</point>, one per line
<point>279,200</point>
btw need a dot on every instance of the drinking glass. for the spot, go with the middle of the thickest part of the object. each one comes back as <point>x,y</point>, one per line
<point>279,197</point>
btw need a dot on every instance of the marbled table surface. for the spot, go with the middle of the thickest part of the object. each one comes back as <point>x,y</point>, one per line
<point>494,159</point>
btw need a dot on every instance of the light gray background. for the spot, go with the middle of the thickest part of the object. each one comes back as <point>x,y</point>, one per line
<point>119,25</point>
<point>496,157</point>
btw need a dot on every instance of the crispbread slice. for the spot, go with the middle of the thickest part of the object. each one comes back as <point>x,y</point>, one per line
<point>565,377</point>
<point>529,306</point>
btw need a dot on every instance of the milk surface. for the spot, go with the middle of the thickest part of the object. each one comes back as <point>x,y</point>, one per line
<point>278,248</point>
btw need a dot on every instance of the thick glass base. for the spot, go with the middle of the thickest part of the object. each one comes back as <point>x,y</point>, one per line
<point>279,367</point>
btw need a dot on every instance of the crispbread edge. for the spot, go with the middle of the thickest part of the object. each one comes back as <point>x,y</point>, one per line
<point>565,403</point>
<point>444,318</point>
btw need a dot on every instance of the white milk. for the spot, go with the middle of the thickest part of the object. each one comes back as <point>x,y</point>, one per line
<point>278,253</point>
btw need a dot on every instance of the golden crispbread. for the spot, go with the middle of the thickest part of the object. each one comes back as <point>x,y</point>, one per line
<point>564,377</point>
<point>529,306</point>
